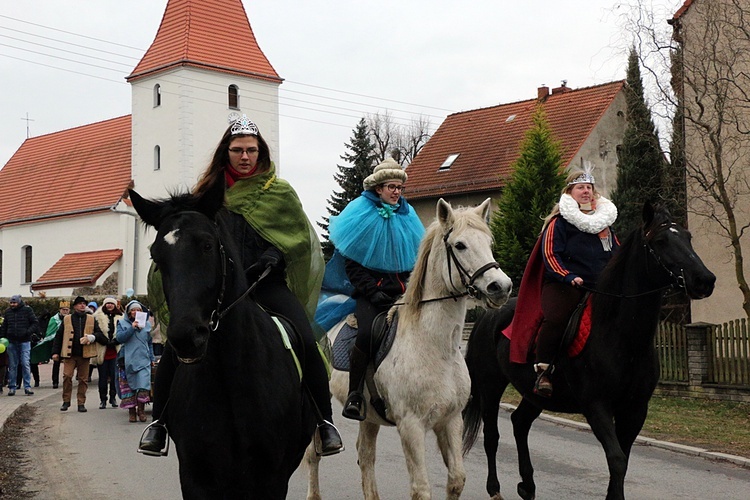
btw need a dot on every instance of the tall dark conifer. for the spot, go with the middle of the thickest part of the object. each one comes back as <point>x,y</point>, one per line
<point>641,166</point>
<point>529,195</point>
<point>360,157</point>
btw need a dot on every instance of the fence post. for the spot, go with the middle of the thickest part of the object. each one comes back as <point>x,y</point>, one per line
<point>697,346</point>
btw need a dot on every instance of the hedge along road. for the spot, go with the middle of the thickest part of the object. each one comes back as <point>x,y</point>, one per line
<point>88,455</point>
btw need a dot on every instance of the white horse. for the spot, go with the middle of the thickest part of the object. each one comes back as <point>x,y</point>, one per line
<point>424,380</point>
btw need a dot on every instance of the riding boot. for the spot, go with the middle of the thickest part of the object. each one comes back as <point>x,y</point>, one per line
<point>543,385</point>
<point>355,407</point>
<point>154,440</point>
<point>141,414</point>
<point>131,415</point>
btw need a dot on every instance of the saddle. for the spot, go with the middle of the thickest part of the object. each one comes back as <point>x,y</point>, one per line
<point>383,335</point>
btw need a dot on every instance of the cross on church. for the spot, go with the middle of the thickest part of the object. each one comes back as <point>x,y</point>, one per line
<point>27,124</point>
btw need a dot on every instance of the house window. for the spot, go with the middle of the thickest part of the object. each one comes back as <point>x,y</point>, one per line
<point>157,157</point>
<point>27,259</point>
<point>234,97</point>
<point>157,95</point>
<point>448,162</point>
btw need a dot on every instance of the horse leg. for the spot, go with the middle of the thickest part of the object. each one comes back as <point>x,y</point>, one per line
<point>490,402</point>
<point>522,418</point>
<point>603,426</point>
<point>313,473</point>
<point>449,442</point>
<point>412,435</point>
<point>627,426</point>
<point>366,449</point>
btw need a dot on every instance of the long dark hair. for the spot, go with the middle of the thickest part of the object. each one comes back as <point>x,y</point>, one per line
<point>220,160</point>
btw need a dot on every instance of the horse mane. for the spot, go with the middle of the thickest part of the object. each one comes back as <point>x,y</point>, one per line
<point>463,217</point>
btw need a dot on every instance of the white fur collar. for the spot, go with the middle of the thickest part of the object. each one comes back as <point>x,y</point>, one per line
<point>594,222</point>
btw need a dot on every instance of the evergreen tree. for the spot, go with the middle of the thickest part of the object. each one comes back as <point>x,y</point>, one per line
<point>529,195</point>
<point>360,158</point>
<point>641,163</point>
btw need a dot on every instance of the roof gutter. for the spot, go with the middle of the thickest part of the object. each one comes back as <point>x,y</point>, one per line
<point>55,215</point>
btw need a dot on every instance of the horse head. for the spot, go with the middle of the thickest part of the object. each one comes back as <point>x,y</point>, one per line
<point>669,244</point>
<point>467,245</point>
<point>191,258</point>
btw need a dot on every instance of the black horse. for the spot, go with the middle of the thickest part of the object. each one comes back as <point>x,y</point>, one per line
<point>236,410</point>
<point>611,381</point>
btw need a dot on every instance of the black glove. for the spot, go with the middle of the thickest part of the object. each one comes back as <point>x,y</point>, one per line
<point>381,299</point>
<point>271,258</point>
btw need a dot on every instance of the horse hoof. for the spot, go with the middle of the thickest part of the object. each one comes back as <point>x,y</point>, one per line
<point>523,493</point>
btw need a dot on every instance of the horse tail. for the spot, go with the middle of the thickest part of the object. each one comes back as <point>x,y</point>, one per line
<point>472,413</point>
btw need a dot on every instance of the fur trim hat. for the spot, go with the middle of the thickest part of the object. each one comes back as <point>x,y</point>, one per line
<point>79,300</point>
<point>389,170</point>
<point>110,300</point>
<point>132,304</point>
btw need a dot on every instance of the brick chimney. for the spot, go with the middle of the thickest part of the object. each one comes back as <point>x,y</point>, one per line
<point>562,88</point>
<point>542,92</point>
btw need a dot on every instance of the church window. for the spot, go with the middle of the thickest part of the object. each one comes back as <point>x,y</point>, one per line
<point>157,95</point>
<point>157,157</point>
<point>234,97</point>
<point>27,259</point>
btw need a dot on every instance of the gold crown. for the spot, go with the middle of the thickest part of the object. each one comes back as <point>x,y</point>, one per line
<point>64,303</point>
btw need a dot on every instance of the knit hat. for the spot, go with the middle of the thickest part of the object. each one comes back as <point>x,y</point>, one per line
<point>79,300</point>
<point>389,170</point>
<point>109,300</point>
<point>64,304</point>
<point>93,305</point>
<point>132,304</point>
<point>16,299</point>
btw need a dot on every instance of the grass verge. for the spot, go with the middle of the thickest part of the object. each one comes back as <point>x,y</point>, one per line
<point>718,426</point>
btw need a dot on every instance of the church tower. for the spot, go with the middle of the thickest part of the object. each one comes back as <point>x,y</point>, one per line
<point>203,64</point>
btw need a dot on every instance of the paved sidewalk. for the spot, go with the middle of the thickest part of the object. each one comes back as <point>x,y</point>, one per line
<point>9,404</point>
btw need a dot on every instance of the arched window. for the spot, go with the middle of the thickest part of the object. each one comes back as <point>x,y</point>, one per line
<point>234,97</point>
<point>157,95</point>
<point>157,157</point>
<point>27,260</point>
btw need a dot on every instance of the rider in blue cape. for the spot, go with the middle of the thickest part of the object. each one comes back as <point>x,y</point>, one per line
<point>378,234</point>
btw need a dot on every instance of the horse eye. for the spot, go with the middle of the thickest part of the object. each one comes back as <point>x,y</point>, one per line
<point>460,246</point>
<point>207,247</point>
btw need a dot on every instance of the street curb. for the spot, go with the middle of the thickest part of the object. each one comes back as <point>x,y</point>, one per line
<point>679,448</point>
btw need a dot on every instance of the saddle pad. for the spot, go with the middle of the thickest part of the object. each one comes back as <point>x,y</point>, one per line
<point>582,328</point>
<point>383,336</point>
<point>342,346</point>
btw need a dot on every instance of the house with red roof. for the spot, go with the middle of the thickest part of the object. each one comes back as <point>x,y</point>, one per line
<point>469,157</point>
<point>58,229</point>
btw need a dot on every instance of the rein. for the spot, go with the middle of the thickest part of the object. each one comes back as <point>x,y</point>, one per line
<point>678,280</point>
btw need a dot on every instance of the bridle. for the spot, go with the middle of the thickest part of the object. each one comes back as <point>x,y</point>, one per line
<point>467,279</point>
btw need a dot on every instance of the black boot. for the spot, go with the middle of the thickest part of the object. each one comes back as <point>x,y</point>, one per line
<point>154,440</point>
<point>355,407</point>
<point>330,440</point>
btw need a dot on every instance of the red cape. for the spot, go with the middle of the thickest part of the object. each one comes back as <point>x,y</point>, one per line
<point>528,316</point>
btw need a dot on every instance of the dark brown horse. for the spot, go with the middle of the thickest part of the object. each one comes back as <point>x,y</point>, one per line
<point>236,410</point>
<point>612,380</point>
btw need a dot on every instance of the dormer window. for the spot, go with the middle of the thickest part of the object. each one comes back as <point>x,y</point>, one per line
<point>510,118</point>
<point>157,95</point>
<point>448,162</point>
<point>233,95</point>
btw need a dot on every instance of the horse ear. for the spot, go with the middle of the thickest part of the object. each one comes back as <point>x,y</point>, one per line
<point>444,213</point>
<point>213,199</point>
<point>484,209</point>
<point>149,211</point>
<point>648,214</point>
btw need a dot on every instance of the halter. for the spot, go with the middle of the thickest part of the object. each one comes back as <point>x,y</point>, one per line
<point>471,290</point>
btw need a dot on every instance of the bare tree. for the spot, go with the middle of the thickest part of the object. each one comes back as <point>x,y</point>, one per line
<point>400,142</point>
<point>707,90</point>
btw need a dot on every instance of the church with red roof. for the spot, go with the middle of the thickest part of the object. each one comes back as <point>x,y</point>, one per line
<point>60,230</point>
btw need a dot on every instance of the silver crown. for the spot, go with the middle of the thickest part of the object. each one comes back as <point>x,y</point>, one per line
<point>242,124</point>
<point>587,177</point>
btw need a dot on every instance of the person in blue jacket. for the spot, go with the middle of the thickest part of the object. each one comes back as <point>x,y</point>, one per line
<point>134,361</point>
<point>577,242</point>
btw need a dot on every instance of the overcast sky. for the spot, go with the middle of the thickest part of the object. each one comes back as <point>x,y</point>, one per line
<point>63,63</point>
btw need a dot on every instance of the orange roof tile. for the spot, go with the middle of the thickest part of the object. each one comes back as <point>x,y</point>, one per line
<point>79,170</point>
<point>488,140</point>
<point>206,33</point>
<point>682,9</point>
<point>77,269</point>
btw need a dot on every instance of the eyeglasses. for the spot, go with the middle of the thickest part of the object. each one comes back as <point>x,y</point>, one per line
<point>240,151</point>
<point>395,187</point>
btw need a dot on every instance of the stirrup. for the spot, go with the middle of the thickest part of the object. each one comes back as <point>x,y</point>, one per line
<point>318,441</point>
<point>355,400</point>
<point>161,453</point>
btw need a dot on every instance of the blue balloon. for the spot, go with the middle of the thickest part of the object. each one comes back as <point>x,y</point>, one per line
<point>129,292</point>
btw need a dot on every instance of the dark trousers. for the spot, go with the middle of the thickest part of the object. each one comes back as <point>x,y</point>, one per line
<point>55,373</point>
<point>274,296</point>
<point>34,367</point>
<point>559,300</point>
<point>366,313</point>
<point>107,377</point>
